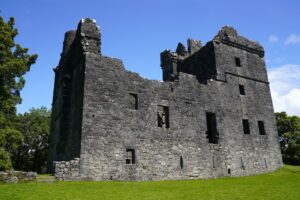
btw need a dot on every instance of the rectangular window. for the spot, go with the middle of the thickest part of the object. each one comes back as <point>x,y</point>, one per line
<point>212,132</point>
<point>237,61</point>
<point>133,101</point>
<point>261,128</point>
<point>242,90</point>
<point>246,126</point>
<point>130,156</point>
<point>163,116</point>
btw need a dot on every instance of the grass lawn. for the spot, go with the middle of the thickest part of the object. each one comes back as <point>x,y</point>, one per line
<point>282,184</point>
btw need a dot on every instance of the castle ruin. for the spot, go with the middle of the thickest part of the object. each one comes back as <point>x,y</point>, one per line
<point>212,115</point>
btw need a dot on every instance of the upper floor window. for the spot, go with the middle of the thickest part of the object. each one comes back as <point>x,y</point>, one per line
<point>242,90</point>
<point>163,116</point>
<point>133,101</point>
<point>261,128</point>
<point>237,62</point>
<point>246,128</point>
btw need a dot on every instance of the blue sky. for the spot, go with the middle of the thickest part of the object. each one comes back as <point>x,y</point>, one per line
<point>136,31</point>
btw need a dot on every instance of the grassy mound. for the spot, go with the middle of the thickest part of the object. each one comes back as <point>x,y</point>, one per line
<point>282,184</point>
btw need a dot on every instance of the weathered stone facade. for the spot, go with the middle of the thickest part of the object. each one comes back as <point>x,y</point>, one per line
<point>212,115</point>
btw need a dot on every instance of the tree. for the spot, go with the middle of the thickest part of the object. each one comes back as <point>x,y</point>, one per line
<point>14,63</point>
<point>31,155</point>
<point>289,134</point>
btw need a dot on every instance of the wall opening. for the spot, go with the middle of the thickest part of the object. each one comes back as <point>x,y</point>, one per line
<point>242,164</point>
<point>265,161</point>
<point>130,156</point>
<point>181,162</point>
<point>228,171</point>
<point>246,128</point>
<point>261,128</point>
<point>212,133</point>
<point>163,116</point>
<point>172,89</point>
<point>133,101</point>
<point>237,62</point>
<point>242,90</point>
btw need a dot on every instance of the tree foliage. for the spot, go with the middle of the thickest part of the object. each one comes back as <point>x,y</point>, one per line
<point>31,155</point>
<point>289,133</point>
<point>14,63</point>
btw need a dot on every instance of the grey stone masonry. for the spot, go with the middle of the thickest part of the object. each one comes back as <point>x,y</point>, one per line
<point>211,116</point>
<point>67,170</point>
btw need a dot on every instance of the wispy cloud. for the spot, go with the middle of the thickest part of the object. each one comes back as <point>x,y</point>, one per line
<point>285,88</point>
<point>292,39</point>
<point>273,39</point>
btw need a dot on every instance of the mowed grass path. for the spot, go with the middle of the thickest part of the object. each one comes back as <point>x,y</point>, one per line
<point>282,184</point>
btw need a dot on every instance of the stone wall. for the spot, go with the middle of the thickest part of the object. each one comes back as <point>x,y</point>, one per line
<point>67,170</point>
<point>11,176</point>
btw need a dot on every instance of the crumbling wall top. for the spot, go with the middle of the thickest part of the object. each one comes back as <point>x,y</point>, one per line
<point>230,36</point>
<point>89,34</point>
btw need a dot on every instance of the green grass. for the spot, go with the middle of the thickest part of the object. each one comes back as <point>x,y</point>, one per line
<point>282,184</point>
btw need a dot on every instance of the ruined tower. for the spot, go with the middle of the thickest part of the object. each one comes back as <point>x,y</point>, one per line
<point>211,117</point>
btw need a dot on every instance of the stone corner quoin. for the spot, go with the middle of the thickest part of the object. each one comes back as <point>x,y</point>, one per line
<point>212,116</point>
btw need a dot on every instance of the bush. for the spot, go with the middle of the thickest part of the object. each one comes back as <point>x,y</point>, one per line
<point>5,162</point>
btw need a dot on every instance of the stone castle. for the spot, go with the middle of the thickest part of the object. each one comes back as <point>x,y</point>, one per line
<point>212,115</point>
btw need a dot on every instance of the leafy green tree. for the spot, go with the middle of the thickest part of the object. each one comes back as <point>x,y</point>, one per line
<point>289,133</point>
<point>31,155</point>
<point>14,63</point>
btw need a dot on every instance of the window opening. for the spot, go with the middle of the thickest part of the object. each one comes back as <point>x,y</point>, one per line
<point>130,156</point>
<point>163,116</point>
<point>242,164</point>
<point>133,101</point>
<point>212,133</point>
<point>181,162</point>
<point>237,62</point>
<point>261,128</point>
<point>242,90</point>
<point>246,126</point>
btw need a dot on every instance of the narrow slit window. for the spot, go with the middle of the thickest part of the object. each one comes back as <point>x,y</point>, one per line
<point>237,62</point>
<point>242,90</point>
<point>181,162</point>
<point>261,128</point>
<point>130,156</point>
<point>265,161</point>
<point>246,128</point>
<point>133,101</point>
<point>163,116</point>
<point>242,164</point>
<point>212,133</point>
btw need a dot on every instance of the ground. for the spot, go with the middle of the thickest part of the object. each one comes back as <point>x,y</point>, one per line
<point>282,184</point>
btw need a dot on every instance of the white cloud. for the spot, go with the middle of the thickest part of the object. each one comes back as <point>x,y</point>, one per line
<point>285,88</point>
<point>292,39</point>
<point>273,39</point>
